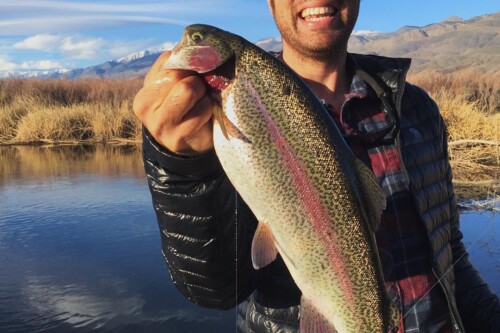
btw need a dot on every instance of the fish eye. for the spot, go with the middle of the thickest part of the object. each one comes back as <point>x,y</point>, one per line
<point>197,37</point>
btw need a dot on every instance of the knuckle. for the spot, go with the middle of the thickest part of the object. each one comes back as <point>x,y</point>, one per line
<point>176,144</point>
<point>186,89</point>
<point>193,87</point>
<point>155,131</point>
<point>138,106</point>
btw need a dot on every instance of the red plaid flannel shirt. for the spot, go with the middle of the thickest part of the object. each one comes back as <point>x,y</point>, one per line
<point>403,244</point>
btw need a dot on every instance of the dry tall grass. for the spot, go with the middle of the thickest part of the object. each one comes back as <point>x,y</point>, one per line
<point>88,110</point>
<point>470,105</point>
<point>100,110</point>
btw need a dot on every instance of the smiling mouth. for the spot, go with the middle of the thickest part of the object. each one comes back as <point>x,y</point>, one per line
<point>318,13</point>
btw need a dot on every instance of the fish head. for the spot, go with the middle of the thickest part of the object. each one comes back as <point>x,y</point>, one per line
<point>202,49</point>
<point>210,52</point>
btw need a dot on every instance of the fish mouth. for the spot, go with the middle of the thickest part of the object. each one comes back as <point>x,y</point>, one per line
<point>221,77</point>
<point>314,14</point>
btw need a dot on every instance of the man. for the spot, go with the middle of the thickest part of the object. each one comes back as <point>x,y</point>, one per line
<point>394,127</point>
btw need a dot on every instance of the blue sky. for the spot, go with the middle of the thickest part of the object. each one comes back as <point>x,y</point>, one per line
<point>45,35</point>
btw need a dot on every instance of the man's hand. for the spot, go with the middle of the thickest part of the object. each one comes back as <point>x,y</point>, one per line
<point>173,106</point>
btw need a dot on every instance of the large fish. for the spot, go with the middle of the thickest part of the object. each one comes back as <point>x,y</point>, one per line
<point>318,205</point>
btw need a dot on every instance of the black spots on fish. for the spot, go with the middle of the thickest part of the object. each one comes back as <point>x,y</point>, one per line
<point>329,234</point>
<point>287,90</point>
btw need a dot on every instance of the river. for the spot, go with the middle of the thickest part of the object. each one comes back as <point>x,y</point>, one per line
<point>80,247</point>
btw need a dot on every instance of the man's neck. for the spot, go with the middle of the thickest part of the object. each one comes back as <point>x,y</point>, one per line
<point>328,79</point>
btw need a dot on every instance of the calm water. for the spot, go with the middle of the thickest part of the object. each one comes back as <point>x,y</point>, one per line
<point>80,248</point>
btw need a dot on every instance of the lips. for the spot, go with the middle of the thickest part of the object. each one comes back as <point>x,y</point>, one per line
<point>318,13</point>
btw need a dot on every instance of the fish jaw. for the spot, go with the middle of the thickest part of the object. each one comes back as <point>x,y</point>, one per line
<point>197,58</point>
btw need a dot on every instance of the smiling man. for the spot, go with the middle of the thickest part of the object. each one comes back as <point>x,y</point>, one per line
<point>394,127</point>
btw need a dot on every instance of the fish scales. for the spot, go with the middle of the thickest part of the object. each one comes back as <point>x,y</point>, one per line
<point>314,148</point>
<point>293,168</point>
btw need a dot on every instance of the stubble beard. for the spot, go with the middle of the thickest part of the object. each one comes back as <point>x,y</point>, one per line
<point>331,47</point>
<point>316,50</point>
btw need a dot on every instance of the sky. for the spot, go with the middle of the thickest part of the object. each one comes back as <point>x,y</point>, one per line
<point>38,35</point>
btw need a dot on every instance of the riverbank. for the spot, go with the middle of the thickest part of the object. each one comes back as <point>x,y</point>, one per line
<point>92,111</point>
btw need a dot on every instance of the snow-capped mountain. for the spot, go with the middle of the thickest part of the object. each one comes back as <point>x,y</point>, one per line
<point>135,56</point>
<point>135,64</point>
<point>34,74</point>
<point>448,45</point>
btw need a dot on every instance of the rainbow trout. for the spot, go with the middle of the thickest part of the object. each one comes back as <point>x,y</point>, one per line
<point>317,205</point>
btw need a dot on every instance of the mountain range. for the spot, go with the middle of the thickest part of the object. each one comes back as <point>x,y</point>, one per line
<point>445,46</point>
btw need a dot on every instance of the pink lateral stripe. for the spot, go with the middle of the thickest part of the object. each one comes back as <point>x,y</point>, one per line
<point>311,202</point>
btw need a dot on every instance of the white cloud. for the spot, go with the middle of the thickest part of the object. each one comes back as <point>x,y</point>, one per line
<point>73,47</point>
<point>28,25</point>
<point>40,65</point>
<point>28,17</point>
<point>7,64</point>
<point>42,42</point>
<point>81,48</point>
<point>59,30</point>
<point>197,6</point>
<point>78,47</point>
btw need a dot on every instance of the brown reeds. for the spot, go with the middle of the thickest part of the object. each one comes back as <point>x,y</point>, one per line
<point>100,110</point>
<point>86,110</point>
<point>470,104</point>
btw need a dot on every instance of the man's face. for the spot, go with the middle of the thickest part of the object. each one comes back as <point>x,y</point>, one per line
<point>315,28</point>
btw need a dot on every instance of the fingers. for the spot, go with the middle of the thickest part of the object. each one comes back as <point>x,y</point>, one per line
<point>194,131</point>
<point>183,97</point>
<point>173,106</point>
<point>172,96</point>
<point>197,117</point>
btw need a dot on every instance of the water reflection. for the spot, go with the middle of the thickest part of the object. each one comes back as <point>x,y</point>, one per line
<point>42,162</point>
<point>481,231</point>
<point>80,248</point>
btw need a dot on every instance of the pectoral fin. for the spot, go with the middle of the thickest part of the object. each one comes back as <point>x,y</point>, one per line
<point>264,250</point>
<point>227,127</point>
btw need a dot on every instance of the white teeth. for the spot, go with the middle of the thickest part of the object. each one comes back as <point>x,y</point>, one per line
<point>317,11</point>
